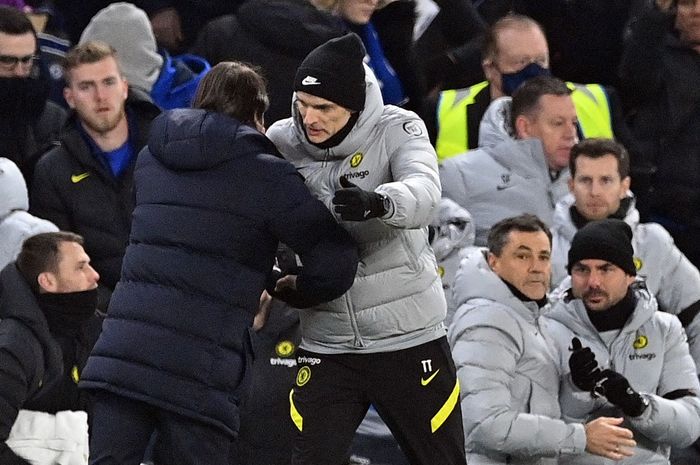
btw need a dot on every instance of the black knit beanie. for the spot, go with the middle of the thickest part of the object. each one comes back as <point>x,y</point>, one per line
<point>609,240</point>
<point>335,71</point>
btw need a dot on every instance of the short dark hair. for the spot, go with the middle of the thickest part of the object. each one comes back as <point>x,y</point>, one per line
<point>13,22</point>
<point>526,99</point>
<point>489,48</point>
<point>40,253</point>
<point>88,52</point>
<point>597,148</point>
<point>498,234</point>
<point>234,89</point>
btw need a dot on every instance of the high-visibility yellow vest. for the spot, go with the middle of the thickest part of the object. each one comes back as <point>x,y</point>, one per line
<point>590,100</point>
<point>453,135</point>
<point>592,110</point>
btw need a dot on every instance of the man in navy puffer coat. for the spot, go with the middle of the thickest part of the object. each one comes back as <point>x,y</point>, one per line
<point>213,199</point>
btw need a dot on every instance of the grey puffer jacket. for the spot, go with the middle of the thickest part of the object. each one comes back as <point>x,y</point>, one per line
<point>652,353</point>
<point>397,300</point>
<point>668,274</point>
<point>501,181</point>
<point>508,377</point>
<point>15,223</point>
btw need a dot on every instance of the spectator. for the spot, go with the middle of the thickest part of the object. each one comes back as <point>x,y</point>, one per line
<point>85,185</point>
<point>48,326</point>
<point>29,123</point>
<point>199,256</point>
<point>275,35</point>
<point>599,186</point>
<point>176,23</point>
<point>170,81</point>
<point>661,67</point>
<point>646,375</point>
<point>509,379</point>
<point>15,223</point>
<point>527,175</point>
<point>375,344</point>
<point>448,36</point>
<point>386,30</point>
<point>515,49</point>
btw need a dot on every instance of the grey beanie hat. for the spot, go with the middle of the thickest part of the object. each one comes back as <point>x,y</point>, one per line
<point>128,29</point>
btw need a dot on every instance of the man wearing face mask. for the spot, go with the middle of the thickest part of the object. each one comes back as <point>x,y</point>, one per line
<point>28,121</point>
<point>48,325</point>
<point>515,49</point>
<point>527,174</point>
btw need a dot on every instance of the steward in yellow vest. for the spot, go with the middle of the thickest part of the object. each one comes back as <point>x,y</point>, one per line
<point>459,113</point>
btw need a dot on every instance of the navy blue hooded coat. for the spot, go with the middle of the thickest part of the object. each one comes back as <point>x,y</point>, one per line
<point>213,198</point>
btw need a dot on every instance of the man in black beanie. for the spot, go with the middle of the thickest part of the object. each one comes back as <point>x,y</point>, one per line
<point>646,375</point>
<point>384,342</point>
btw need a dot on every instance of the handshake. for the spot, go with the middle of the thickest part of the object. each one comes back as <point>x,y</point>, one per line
<point>587,376</point>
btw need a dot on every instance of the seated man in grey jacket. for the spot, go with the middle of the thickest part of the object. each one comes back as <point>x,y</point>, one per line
<point>509,379</point>
<point>599,185</point>
<point>646,374</point>
<point>527,175</point>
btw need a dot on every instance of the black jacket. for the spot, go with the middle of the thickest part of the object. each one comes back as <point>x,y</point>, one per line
<point>275,35</point>
<point>97,206</point>
<point>665,78</point>
<point>25,141</point>
<point>199,256</point>
<point>36,361</point>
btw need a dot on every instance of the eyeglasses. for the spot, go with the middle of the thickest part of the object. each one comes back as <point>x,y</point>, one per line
<point>10,62</point>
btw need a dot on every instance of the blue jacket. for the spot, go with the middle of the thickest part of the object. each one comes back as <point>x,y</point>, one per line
<point>213,198</point>
<point>178,80</point>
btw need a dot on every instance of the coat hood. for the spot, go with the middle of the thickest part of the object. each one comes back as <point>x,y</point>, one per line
<point>128,29</point>
<point>495,126</point>
<point>476,280</point>
<point>18,302</point>
<point>292,27</point>
<point>13,188</point>
<point>195,139</point>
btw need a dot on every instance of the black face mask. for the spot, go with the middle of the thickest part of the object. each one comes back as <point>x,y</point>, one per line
<point>511,81</point>
<point>69,310</point>
<point>23,99</point>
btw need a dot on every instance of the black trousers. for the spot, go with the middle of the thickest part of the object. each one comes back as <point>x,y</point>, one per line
<point>414,390</point>
<point>122,428</point>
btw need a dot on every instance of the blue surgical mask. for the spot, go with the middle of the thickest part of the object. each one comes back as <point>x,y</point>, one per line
<point>511,81</point>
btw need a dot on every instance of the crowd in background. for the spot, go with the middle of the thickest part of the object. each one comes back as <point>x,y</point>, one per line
<point>82,85</point>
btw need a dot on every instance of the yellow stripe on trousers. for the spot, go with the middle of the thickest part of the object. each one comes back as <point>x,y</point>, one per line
<point>447,408</point>
<point>294,413</point>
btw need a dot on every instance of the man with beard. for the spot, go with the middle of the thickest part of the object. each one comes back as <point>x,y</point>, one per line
<point>48,325</point>
<point>28,121</point>
<point>85,185</point>
<point>510,384</point>
<point>618,356</point>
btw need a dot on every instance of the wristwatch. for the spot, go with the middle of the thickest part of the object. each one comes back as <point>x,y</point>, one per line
<point>387,204</point>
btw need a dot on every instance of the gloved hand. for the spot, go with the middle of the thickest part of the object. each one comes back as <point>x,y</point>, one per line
<point>584,367</point>
<point>618,391</point>
<point>286,293</point>
<point>355,204</point>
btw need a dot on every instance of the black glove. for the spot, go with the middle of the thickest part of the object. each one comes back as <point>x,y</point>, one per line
<point>291,297</point>
<point>355,204</point>
<point>584,368</point>
<point>618,391</point>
